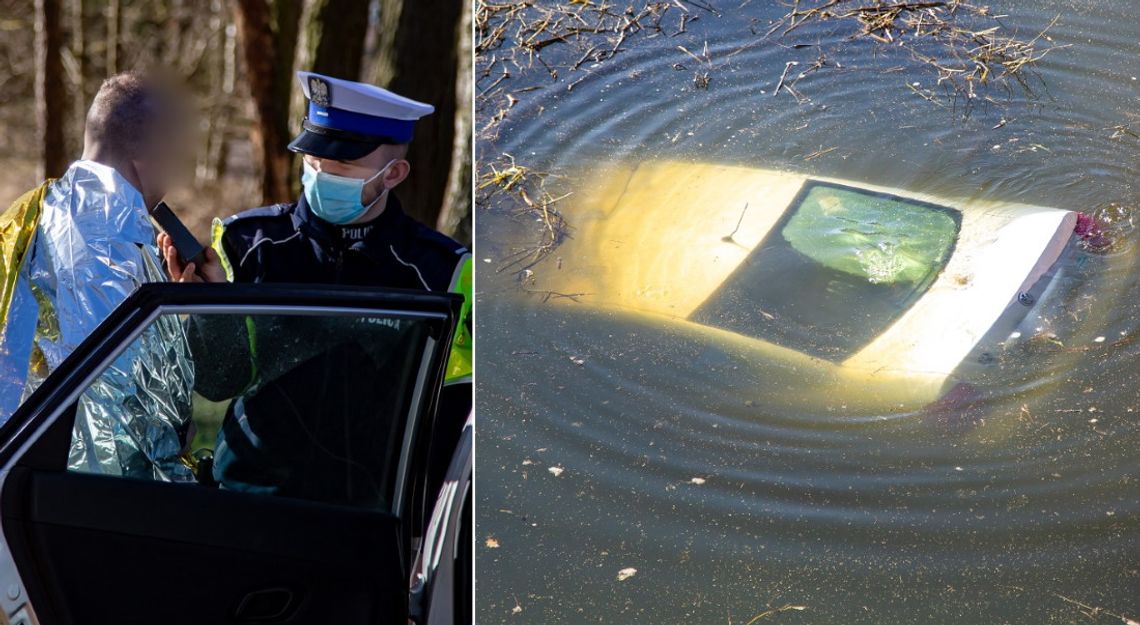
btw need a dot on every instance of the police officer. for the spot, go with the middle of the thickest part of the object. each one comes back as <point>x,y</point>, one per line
<point>346,228</point>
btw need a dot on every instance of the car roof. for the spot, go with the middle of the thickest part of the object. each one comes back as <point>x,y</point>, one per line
<point>660,237</point>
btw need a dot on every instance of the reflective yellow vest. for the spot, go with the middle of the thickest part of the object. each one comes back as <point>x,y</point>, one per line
<point>460,362</point>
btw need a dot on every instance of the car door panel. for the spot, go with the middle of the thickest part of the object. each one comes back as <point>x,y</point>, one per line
<point>93,548</point>
<point>114,550</point>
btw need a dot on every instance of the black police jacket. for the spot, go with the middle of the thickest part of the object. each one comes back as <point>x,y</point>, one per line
<point>290,432</point>
<point>287,243</point>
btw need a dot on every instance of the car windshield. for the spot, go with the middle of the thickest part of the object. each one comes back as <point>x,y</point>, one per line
<point>840,267</point>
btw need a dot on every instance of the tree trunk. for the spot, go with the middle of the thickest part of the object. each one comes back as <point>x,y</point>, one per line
<point>212,159</point>
<point>50,93</point>
<point>267,31</point>
<point>114,36</point>
<point>338,54</point>
<point>171,42</point>
<point>333,37</point>
<point>417,56</point>
<point>453,217</point>
<point>287,33</point>
<point>79,51</point>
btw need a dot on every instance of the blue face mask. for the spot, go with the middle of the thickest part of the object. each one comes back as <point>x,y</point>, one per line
<point>337,199</point>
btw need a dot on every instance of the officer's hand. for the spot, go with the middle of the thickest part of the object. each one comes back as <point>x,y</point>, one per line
<point>210,271</point>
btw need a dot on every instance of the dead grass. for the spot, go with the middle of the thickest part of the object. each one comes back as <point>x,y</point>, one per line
<point>528,198</point>
<point>969,48</point>
<point>560,41</point>
<point>513,36</point>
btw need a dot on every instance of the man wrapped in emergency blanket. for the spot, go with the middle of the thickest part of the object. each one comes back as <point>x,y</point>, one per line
<point>72,250</point>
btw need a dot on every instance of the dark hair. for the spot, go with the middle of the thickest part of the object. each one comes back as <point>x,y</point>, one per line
<point>124,111</point>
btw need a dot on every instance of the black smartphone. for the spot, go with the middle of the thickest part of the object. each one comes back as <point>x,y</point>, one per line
<point>188,247</point>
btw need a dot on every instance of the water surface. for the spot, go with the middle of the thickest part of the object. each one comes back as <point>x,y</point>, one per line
<point>610,441</point>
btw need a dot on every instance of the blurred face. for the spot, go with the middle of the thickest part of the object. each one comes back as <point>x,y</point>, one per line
<point>166,157</point>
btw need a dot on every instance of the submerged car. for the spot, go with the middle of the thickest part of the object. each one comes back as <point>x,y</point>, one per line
<point>82,545</point>
<point>826,282</point>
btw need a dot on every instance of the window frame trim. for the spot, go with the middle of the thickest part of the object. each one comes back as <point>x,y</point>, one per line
<point>64,387</point>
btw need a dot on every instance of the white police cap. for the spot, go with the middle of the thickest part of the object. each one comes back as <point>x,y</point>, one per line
<point>346,120</point>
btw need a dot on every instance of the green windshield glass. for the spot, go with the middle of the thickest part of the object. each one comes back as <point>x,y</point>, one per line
<point>880,238</point>
<point>836,272</point>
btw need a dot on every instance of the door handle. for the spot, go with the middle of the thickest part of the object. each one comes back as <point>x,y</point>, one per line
<point>265,606</point>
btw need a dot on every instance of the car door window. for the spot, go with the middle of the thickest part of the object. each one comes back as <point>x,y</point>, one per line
<point>303,404</point>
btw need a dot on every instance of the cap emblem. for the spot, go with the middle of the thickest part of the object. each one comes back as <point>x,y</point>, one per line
<point>319,92</point>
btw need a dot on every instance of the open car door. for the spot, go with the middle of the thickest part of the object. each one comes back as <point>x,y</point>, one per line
<point>443,581</point>
<point>104,520</point>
